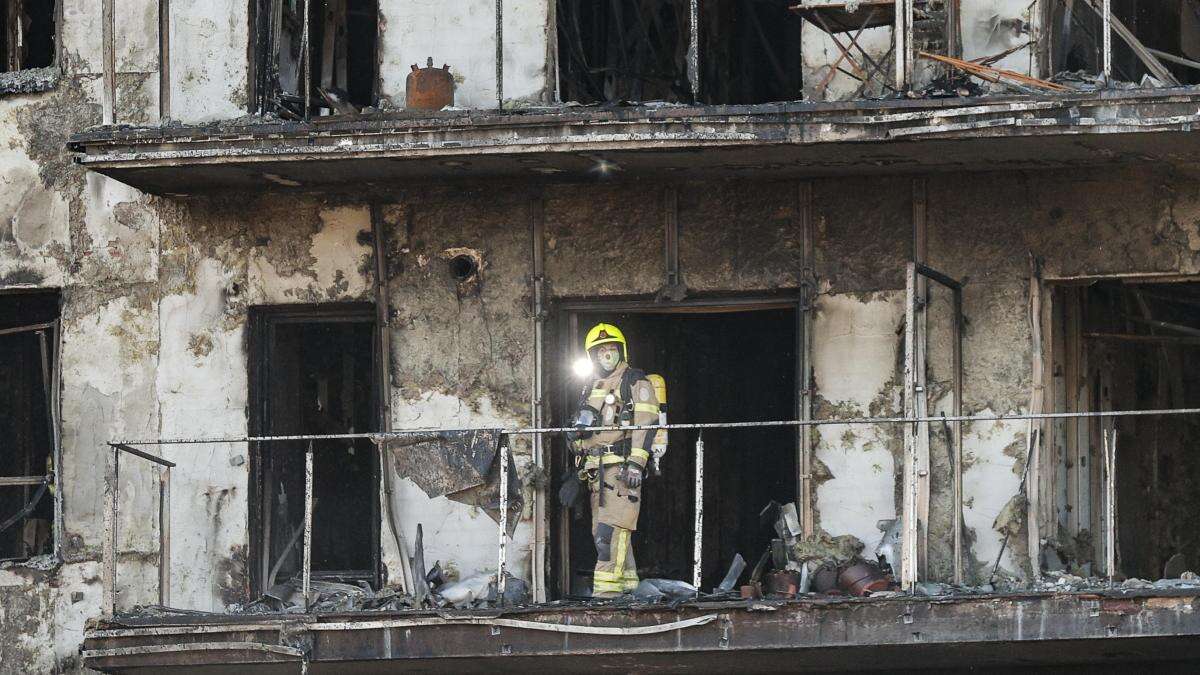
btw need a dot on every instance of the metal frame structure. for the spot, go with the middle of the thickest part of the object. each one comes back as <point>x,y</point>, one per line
<point>915,515</point>
<point>112,523</point>
<point>863,67</point>
<point>112,503</point>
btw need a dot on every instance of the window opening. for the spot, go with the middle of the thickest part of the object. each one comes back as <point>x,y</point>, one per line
<point>341,67</point>
<point>26,34</point>
<point>28,423</point>
<point>751,51</point>
<point>1126,345</point>
<point>315,374</point>
<point>623,50</point>
<point>718,366</point>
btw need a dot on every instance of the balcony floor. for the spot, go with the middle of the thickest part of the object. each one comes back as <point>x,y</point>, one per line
<point>1090,629</point>
<point>569,144</point>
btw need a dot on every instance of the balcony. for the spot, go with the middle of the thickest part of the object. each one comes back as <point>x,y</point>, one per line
<point>682,141</point>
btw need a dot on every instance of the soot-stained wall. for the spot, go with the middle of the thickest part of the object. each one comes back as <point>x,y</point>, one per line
<point>156,296</point>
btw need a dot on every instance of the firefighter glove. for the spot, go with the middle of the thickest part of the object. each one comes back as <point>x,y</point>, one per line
<point>633,477</point>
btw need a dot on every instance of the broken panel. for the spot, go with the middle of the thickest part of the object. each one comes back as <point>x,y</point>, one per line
<point>28,423</point>
<point>623,50</point>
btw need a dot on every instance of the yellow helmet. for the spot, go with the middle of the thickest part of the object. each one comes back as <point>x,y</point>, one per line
<point>604,333</point>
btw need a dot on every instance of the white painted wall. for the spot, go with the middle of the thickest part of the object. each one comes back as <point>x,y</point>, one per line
<point>209,59</point>
<point>854,357</point>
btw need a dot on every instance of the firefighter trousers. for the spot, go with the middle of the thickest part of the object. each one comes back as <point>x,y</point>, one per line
<point>613,524</point>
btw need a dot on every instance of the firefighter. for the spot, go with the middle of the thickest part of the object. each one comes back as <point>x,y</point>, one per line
<point>613,463</point>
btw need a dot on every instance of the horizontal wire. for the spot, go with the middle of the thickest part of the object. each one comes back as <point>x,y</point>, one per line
<point>407,433</point>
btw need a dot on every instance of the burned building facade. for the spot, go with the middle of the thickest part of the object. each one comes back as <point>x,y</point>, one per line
<point>924,246</point>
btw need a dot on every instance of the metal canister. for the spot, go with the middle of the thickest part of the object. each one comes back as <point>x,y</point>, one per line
<point>429,88</point>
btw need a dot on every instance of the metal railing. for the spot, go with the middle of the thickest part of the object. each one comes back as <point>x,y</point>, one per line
<point>112,520</point>
<point>505,457</point>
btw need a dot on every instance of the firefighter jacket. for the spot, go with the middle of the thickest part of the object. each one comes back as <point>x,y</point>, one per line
<point>635,404</point>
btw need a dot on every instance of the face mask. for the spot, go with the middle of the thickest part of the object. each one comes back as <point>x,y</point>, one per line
<point>608,357</point>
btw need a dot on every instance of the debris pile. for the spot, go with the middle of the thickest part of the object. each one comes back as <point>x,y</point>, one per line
<point>327,597</point>
<point>794,565</point>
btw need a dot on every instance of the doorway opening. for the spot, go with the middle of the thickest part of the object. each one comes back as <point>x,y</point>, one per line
<point>1127,344</point>
<point>730,363</point>
<point>313,371</point>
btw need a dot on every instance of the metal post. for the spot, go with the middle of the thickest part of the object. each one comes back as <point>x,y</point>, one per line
<point>384,334</point>
<point>808,296</point>
<point>108,96</point>
<point>499,54</point>
<point>306,63</point>
<point>908,516</point>
<point>164,537</point>
<point>1107,15</point>
<point>901,43</point>
<point>693,51</point>
<point>503,543</point>
<point>110,537</point>
<point>308,514</point>
<point>1110,498</point>
<point>698,541</point>
<point>539,459</point>
<point>164,59</point>
<point>957,439</point>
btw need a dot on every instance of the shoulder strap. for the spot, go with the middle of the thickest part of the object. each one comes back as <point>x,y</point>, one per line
<point>628,378</point>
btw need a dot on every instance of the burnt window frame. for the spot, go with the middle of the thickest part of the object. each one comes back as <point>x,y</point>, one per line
<point>263,319</point>
<point>15,80</point>
<point>263,86</point>
<point>52,345</point>
<point>700,39</point>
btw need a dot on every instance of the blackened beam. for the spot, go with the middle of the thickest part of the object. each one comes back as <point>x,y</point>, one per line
<point>381,437</point>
